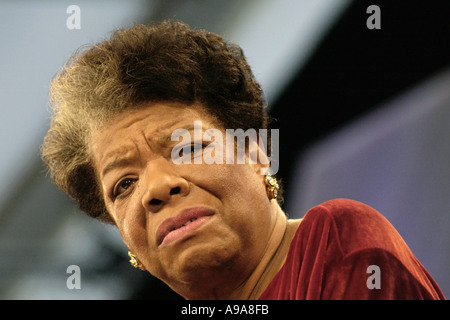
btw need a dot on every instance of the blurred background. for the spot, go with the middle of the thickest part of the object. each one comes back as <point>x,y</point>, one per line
<point>362,113</point>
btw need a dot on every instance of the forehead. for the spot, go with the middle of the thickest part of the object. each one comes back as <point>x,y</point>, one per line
<point>156,116</point>
<point>154,121</point>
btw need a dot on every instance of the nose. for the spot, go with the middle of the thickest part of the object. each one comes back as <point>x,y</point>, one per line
<point>162,185</point>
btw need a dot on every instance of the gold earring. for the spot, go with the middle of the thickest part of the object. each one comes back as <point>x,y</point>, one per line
<point>135,261</point>
<point>272,187</point>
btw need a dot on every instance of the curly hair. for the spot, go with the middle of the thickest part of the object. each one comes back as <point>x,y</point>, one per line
<point>168,61</point>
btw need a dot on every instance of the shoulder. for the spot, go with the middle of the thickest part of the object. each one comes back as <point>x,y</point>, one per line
<point>336,244</point>
<point>343,210</point>
<point>355,237</point>
<point>354,225</point>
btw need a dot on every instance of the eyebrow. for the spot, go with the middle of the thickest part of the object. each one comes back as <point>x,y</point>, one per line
<point>118,163</point>
<point>126,161</point>
<point>167,138</point>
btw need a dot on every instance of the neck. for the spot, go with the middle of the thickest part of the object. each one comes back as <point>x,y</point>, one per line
<point>273,258</point>
<point>270,263</point>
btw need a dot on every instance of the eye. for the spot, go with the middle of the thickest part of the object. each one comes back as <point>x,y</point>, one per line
<point>191,149</point>
<point>123,186</point>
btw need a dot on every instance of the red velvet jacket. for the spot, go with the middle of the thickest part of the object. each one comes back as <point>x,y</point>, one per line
<point>344,249</point>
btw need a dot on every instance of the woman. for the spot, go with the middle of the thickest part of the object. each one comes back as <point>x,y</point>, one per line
<point>209,229</point>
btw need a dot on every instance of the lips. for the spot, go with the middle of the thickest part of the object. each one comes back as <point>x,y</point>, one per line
<point>185,222</point>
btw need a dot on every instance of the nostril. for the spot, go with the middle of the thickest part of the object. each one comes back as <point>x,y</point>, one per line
<point>155,202</point>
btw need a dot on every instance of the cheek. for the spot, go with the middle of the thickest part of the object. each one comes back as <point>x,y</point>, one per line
<point>243,196</point>
<point>137,233</point>
<point>130,220</point>
<point>242,187</point>
<point>224,181</point>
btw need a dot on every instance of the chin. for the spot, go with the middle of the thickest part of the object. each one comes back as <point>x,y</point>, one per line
<point>203,261</point>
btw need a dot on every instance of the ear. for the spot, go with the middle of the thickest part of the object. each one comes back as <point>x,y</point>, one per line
<point>257,156</point>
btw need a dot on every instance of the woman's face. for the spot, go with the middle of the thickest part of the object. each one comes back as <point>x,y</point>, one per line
<point>184,222</point>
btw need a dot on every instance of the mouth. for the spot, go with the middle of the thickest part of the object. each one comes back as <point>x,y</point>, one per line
<point>181,225</point>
